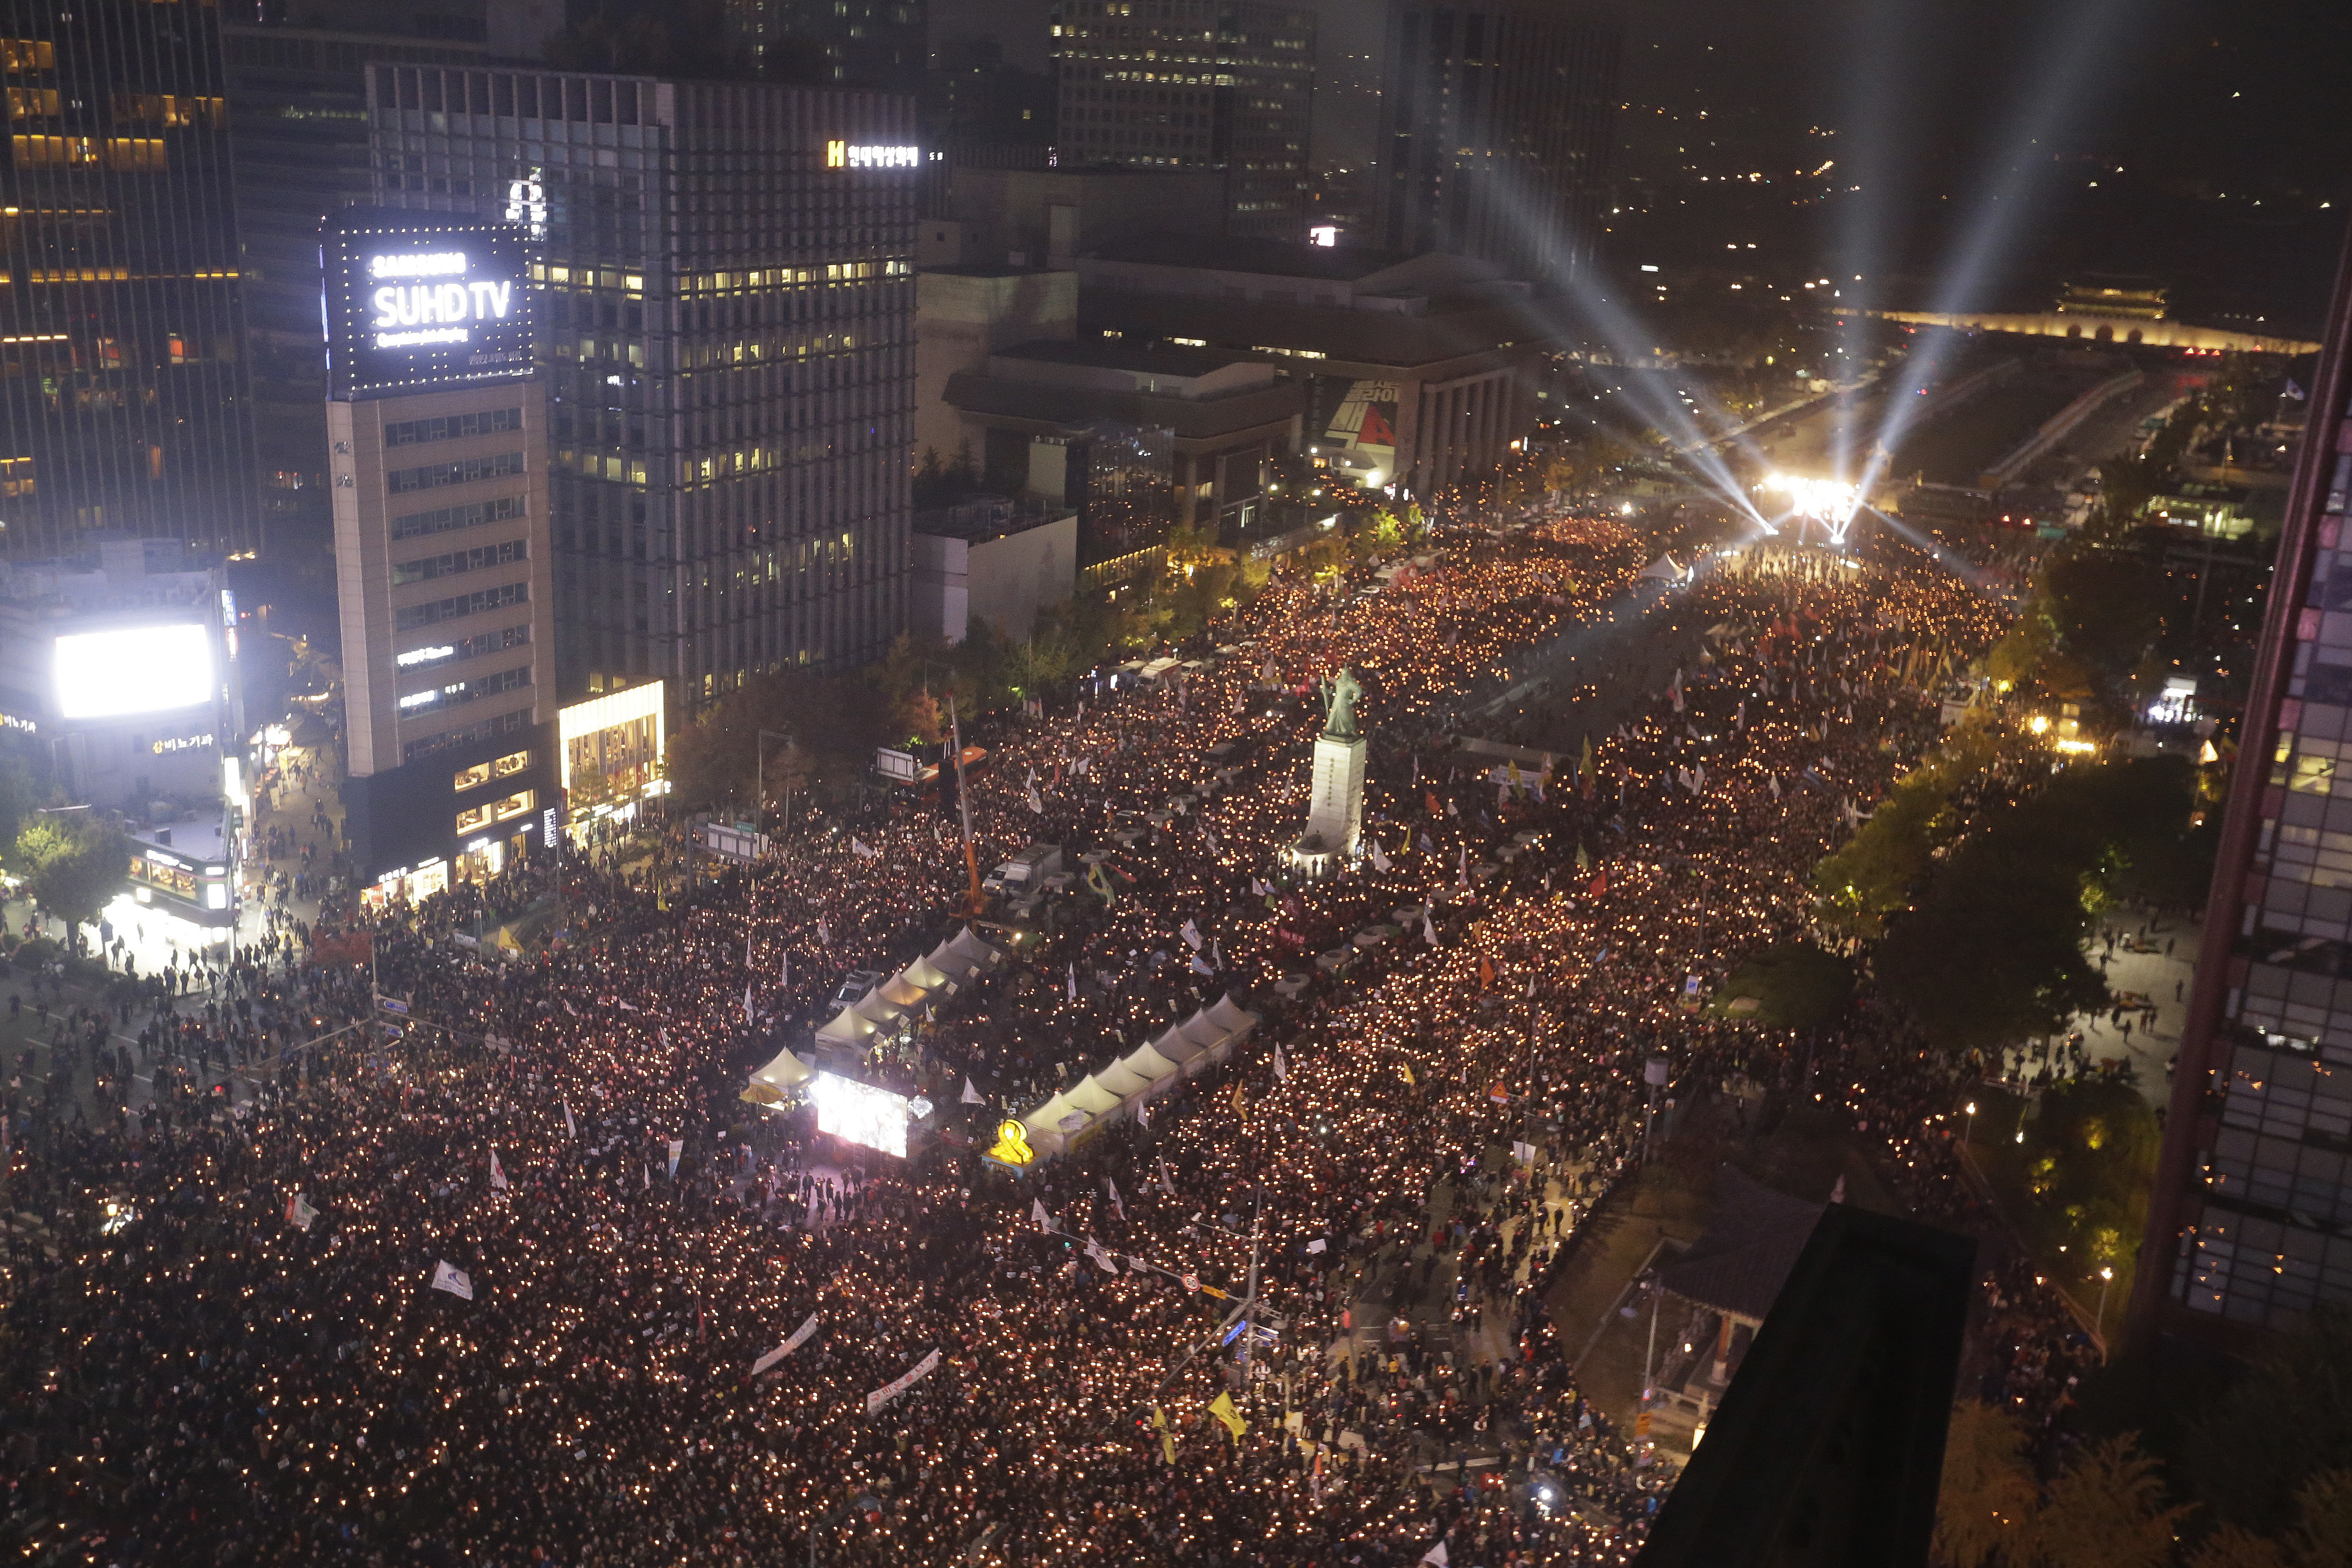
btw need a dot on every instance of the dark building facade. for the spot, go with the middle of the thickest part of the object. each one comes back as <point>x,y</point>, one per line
<point>727,346</point>
<point>1496,131</point>
<point>881,44</point>
<point>1193,84</point>
<point>2249,1219</point>
<point>122,388</point>
<point>298,103</point>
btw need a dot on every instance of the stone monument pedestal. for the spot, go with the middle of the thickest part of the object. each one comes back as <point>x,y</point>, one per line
<point>1335,807</point>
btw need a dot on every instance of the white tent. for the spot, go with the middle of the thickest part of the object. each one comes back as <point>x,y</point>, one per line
<point>1089,1094</point>
<point>846,1028</point>
<point>901,992</point>
<point>966,945</point>
<point>1188,1048</point>
<point>1146,1062</point>
<point>786,1071</point>
<point>1123,1080</point>
<point>1180,1048</point>
<point>877,1008</point>
<point>921,973</point>
<point>1234,1022</point>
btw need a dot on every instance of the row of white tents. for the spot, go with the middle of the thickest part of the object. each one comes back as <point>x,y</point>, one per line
<point>951,966</point>
<point>1187,1049</point>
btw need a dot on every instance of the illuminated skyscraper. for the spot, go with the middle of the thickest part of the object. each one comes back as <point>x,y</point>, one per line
<point>2250,1224</point>
<point>727,345</point>
<point>1193,84</point>
<point>122,397</point>
<point>1496,131</point>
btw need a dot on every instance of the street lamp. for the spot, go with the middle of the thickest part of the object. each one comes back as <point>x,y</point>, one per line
<point>2106,1278</point>
<point>1972,1122</point>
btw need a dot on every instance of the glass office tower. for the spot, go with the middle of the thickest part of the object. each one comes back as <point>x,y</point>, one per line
<point>2249,1222</point>
<point>1193,84</point>
<point>726,342</point>
<point>1496,129</point>
<point>122,395</point>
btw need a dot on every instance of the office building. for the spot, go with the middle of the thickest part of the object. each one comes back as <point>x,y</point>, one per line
<point>877,44</point>
<point>122,396</point>
<point>972,100</point>
<point>1416,372</point>
<point>1496,131</point>
<point>982,216</point>
<point>992,560</point>
<point>1135,436</point>
<point>2249,1219</point>
<point>119,675</point>
<point>727,353</point>
<point>1193,84</point>
<point>965,314</point>
<point>437,444</point>
<point>298,100</point>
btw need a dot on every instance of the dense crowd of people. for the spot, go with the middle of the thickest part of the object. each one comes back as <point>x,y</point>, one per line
<point>521,1277</point>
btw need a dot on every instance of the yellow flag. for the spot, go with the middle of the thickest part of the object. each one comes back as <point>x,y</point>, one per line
<point>1406,1068</point>
<point>1167,1439</point>
<point>1222,1407</point>
<point>1240,1108</point>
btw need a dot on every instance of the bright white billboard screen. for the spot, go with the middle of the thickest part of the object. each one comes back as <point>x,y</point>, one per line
<point>873,1118</point>
<point>136,669</point>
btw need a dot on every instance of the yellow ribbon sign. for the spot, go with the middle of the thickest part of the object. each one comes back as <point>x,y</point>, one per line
<point>1012,1145</point>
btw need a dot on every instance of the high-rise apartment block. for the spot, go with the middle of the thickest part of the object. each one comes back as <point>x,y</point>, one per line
<point>1193,84</point>
<point>2250,1221</point>
<point>726,349</point>
<point>122,396</point>
<point>1496,131</point>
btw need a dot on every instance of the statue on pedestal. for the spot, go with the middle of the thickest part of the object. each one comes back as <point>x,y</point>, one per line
<point>1341,693</point>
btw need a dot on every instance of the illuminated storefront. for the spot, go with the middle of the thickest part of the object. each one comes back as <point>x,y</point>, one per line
<point>612,751</point>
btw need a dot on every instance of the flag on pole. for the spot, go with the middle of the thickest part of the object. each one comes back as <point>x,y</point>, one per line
<point>1160,1163</point>
<point>677,1148</point>
<point>299,1212</point>
<point>1115,1200</point>
<point>1436,1554</point>
<point>823,937</point>
<point>571,1128</point>
<point>1281,1068</point>
<point>747,1006</point>
<point>971,1095</point>
<point>1428,931</point>
<point>1037,1212</point>
<point>785,976</point>
<point>1379,861</point>
<point>497,1174</point>
<point>1222,1407</point>
<point>456,1281</point>
<point>1191,934</point>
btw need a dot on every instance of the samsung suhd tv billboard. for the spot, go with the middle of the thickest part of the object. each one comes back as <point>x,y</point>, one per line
<point>416,301</point>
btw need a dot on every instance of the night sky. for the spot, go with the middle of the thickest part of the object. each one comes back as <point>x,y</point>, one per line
<point>2214,131</point>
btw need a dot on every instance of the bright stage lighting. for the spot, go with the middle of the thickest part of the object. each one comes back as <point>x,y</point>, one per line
<point>1832,502</point>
